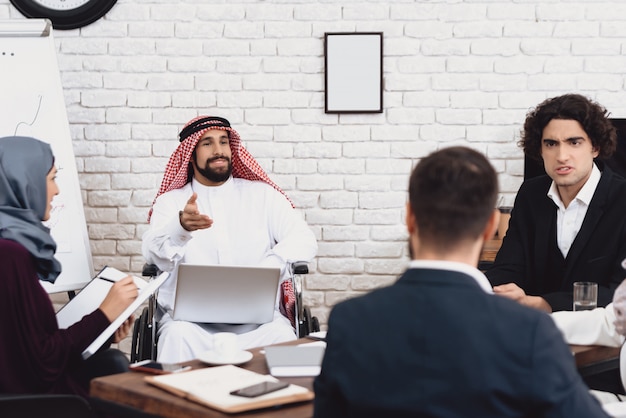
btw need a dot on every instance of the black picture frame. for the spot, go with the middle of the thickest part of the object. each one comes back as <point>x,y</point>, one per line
<point>353,76</point>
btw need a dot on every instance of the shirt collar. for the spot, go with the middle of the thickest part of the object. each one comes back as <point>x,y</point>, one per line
<point>196,185</point>
<point>476,274</point>
<point>584,195</point>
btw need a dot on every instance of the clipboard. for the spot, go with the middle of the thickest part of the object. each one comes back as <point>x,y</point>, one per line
<point>92,295</point>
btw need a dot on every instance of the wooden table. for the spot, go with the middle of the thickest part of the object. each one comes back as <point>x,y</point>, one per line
<point>490,249</point>
<point>130,392</point>
<point>589,359</point>
<point>594,359</point>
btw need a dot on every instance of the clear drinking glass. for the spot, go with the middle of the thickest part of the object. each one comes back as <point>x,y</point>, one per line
<point>585,296</point>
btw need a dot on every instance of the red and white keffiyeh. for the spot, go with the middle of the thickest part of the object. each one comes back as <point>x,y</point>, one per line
<point>243,164</point>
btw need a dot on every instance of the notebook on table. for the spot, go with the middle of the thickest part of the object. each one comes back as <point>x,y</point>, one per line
<point>211,386</point>
<point>225,294</point>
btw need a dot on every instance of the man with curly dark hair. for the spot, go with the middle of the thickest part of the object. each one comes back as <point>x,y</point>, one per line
<point>569,225</point>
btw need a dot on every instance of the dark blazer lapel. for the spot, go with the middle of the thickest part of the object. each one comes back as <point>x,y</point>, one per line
<point>544,215</point>
<point>594,214</point>
<point>546,223</point>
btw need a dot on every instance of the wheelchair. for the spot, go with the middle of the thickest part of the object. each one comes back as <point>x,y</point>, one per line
<point>144,338</point>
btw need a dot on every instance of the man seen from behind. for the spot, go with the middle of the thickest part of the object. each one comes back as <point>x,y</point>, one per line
<point>438,343</point>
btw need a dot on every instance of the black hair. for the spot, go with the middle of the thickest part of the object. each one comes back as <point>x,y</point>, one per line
<point>592,117</point>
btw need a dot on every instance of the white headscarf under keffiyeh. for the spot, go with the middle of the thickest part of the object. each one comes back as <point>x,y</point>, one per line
<point>243,163</point>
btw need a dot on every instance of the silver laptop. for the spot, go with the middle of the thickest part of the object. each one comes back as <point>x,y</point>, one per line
<point>226,294</point>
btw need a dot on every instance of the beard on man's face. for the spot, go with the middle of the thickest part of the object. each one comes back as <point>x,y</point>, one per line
<point>215,176</point>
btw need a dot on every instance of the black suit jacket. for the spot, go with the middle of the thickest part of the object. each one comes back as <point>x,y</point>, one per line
<point>529,254</point>
<point>435,344</point>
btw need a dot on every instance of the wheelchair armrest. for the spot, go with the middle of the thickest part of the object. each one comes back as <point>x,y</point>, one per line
<point>299,267</point>
<point>150,270</point>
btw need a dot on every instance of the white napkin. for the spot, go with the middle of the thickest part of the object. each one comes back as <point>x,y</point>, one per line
<point>615,409</point>
<point>589,327</point>
<point>619,305</point>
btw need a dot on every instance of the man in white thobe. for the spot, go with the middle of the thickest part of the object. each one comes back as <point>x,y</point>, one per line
<point>216,205</point>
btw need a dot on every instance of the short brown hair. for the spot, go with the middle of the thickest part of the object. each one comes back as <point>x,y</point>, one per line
<point>452,193</point>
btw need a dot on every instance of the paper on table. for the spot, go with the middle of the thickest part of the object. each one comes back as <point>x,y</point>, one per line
<point>212,386</point>
<point>317,335</point>
<point>92,295</point>
<point>295,360</point>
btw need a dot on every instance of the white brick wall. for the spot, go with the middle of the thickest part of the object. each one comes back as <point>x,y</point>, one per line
<point>462,72</point>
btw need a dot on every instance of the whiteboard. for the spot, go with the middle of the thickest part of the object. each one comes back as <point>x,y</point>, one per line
<point>32,104</point>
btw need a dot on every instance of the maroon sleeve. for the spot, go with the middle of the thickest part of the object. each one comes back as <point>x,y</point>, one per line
<point>35,355</point>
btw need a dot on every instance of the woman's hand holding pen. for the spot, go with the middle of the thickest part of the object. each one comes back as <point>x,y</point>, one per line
<point>120,296</point>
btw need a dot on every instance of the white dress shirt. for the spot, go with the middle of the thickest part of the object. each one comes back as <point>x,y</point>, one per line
<point>476,274</point>
<point>570,219</point>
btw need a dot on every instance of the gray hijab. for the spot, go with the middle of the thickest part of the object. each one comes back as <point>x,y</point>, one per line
<point>24,164</point>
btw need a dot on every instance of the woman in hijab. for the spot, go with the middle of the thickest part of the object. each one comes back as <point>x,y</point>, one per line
<point>35,355</point>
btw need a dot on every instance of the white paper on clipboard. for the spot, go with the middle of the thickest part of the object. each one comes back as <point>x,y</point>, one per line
<point>92,295</point>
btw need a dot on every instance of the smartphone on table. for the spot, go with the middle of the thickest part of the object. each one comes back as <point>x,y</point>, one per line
<point>260,389</point>
<point>151,366</point>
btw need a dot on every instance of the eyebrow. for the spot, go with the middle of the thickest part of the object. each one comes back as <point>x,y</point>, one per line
<point>571,138</point>
<point>208,138</point>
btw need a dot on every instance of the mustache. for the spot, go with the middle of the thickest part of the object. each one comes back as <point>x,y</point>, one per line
<point>210,160</point>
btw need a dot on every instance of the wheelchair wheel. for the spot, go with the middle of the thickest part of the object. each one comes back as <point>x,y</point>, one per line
<point>310,323</point>
<point>315,324</point>
<point>134,353</point>
<point>141,347</point>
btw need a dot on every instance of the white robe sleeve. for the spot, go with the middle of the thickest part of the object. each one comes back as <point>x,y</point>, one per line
<point>593,327</point>
<point>294,239</point>
<point>165,241</point>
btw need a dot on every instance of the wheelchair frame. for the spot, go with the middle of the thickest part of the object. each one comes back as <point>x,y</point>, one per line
<point>144,338</point>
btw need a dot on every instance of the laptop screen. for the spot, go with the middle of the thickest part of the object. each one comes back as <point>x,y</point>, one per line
<point>226,294</point>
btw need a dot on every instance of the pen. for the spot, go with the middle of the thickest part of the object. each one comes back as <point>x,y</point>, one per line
<point>106,279</point>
